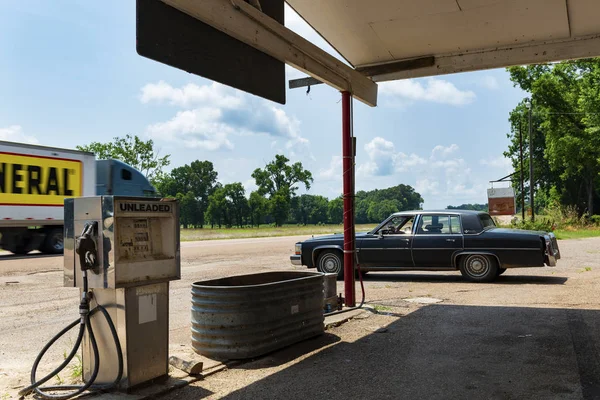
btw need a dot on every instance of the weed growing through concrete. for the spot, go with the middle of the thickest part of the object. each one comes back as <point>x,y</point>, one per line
<point>77,369</point>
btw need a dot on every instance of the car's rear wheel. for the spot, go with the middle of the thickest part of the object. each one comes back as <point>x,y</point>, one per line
<point>478,268</point>
<point>331,262</point>
<point>501,271</point>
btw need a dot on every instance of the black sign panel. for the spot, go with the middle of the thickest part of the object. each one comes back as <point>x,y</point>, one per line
<point>169,36</point>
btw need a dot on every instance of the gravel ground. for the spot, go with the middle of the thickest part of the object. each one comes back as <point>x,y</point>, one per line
<point>531,334</point>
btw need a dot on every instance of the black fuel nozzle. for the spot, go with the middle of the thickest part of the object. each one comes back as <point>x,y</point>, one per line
<point>87,247</point>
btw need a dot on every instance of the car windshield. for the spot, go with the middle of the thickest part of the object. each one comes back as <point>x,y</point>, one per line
<point>487,221</point>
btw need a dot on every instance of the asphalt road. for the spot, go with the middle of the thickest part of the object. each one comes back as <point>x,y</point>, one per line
<point>531,334</point>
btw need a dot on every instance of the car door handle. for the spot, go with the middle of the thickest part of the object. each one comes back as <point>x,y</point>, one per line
<point>450,240</point>
<point>405,239</point>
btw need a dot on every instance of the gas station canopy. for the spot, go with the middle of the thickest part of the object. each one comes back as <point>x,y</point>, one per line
<point>396,39</point>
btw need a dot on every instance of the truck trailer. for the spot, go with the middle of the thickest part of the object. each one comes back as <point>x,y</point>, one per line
<point>34,182</point>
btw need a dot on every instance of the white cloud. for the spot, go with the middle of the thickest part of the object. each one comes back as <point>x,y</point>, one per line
<point>433,90</point>
<point>200,128</point>
<point>442,178</point>
<point>427,187</point>
<point>384,160</point>
<point>333,172</point>
<point>14,133</point>
<point>442,151</point>
<point>288,127</point>
<point>497,162</point>
<point>191,95</point>
<point>214,112</point>
<point>489,82</point>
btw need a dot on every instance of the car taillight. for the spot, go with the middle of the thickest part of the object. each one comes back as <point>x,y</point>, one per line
<point>298,249</point>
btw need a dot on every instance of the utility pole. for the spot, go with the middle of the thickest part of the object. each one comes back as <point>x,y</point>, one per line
<point>521,170</point>
<point>531,203</point>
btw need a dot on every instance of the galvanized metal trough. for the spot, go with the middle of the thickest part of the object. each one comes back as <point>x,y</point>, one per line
<point>250,315</point>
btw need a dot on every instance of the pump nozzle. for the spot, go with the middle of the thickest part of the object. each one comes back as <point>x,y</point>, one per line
<point>87,248</point>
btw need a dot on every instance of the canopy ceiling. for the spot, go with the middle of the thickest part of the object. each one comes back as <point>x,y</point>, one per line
<point>394,39</point>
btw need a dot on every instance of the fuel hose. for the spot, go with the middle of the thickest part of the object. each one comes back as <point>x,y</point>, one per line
<point>84,323</point>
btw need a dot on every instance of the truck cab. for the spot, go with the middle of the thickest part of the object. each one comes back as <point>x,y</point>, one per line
<point>114,177</point>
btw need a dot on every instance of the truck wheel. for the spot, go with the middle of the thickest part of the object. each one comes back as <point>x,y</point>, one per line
<point>54,243</point>
<point>20,250</point>
<point>330,262</point>
<point>478,268</point>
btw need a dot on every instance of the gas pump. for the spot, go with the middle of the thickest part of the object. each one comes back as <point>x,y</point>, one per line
<point>121,252</point>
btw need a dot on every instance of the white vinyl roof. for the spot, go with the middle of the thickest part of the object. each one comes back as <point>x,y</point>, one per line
<point>410,38</point>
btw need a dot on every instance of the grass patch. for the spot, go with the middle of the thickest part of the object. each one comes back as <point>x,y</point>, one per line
<point>188,235</point>
<point>77,369</point>
<point>577,233</point>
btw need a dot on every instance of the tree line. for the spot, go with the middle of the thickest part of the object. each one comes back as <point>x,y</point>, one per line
<point>563,113</point>
<point>475,207</point>
<point>204,201</point>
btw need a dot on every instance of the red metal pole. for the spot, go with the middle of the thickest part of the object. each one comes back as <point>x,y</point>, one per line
<point>348,177</point>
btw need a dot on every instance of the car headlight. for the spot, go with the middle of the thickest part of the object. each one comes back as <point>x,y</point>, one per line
<point>298,249</point>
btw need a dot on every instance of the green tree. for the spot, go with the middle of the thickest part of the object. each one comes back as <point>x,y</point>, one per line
<point>373,205</point>
<point>361,205</point>
<point>565,98</point>
<point>259,207</point>
<point>236,202</point>
<point>216,212</point>
<point>279,180</point>
<point>199,178</point>
<point>378,211</point>
<point>335,211</point>
<point>132,150</point>
<point>279,206</point>
<point>187,209</point>
<point>309,209</point>
<point>476,207</point>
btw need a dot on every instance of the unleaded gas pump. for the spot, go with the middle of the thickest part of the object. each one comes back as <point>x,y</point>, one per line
<point>121,252</point>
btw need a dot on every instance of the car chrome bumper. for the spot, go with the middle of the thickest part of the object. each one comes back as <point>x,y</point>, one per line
<point>552,251</point>
<point>296,259</point>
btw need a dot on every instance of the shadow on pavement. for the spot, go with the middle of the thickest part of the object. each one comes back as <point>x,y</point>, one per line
<point>451,352</point>
<point>291,353</point>
<point>432,278</point>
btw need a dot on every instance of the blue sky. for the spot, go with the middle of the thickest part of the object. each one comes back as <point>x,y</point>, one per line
<point>70,75</point>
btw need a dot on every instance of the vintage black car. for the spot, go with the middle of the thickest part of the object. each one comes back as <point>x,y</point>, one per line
<point>463,240</point>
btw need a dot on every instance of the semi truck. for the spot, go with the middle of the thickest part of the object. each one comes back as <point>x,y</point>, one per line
<point>34,182</point>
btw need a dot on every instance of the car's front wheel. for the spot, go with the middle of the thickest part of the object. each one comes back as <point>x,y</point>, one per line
<point>478,268</point>
<point>331,262</point>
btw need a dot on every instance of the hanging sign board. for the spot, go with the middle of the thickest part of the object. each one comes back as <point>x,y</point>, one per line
<point>501,201</point>
<point>171,37</point>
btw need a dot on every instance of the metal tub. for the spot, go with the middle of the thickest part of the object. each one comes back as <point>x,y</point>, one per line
<point>249,315</point>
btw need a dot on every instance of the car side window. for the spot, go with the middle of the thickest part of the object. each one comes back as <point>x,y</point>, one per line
<point>398,225</point>
<point>434,225</point>
<point>455,224</point>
